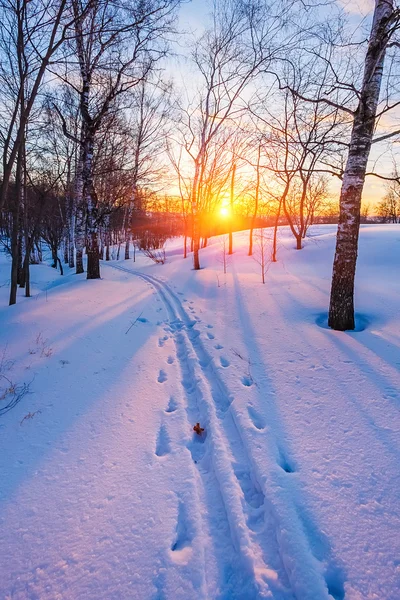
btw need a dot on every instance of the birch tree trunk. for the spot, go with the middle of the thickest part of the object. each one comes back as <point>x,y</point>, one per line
<point>80,228</point>
<point>341,310</point>
<point>128,224</point>
<point>71,235</point>
<point>195,218</point>
<point>14,234</point>
<point>90,200</point>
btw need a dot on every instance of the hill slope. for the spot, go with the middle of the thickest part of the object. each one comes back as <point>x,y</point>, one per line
<point>290,492</point>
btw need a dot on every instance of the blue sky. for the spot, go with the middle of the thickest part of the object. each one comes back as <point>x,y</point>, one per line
<point>193,18</point>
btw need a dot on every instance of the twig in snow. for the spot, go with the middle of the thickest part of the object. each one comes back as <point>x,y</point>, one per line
<point>132,324</point>
<point>30,415</point>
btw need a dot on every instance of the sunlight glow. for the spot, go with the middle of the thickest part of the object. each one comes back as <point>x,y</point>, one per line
<point>224,211</point>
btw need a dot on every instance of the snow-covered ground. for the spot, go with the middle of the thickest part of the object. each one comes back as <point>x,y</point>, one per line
<point>293,489</point>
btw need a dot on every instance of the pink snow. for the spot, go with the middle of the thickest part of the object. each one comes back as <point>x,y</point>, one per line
<point>291,492</point>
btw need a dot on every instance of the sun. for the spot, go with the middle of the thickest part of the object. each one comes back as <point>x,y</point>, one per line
<point>224,211</point>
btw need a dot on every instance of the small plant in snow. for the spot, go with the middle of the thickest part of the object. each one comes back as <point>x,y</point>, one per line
<point>10,392</point>
<point>158,256</point>
<point>30,416</point>
<point>42,346</point>
<point>262,253</point>
<point>224,257</point>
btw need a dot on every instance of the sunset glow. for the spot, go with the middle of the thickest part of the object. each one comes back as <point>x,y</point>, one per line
<point>224,211</point>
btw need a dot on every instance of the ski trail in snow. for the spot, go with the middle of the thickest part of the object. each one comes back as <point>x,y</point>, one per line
<point>258,531</point>
<point>295,540</point>
<point>240,576</point>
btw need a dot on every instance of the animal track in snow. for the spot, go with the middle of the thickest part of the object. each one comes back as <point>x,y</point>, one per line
<point>163,442</point>
<point>224,362</point>
<point>170,360</point>
<point>218,347</point>
<point>247,381</point>
<point>257,419</point>
<point>162,376</point>
<point>210,336</point>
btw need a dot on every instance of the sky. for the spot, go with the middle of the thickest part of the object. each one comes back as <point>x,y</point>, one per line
<point>192,19</point>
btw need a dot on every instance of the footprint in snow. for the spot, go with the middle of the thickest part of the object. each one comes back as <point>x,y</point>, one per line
<point>163,442</point>
<point>161,341</point>
<point>170,360</point>
<point>218,347</point>
<point>224,362</point>
<point>210,336</point>
<point>162,376</point>
<point>183,535</point>
<point>284,463</point>
<point>257,419</point>
<point>210,326</point>
<point>247,381</point>
<point>172,405</point>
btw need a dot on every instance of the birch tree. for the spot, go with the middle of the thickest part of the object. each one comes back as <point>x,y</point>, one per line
<point>31,33</point>
<point>341,309</point>
<point>117,45</point>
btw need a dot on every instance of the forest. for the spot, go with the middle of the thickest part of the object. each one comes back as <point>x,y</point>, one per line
<point>199,295</point>
<point>101,144</point>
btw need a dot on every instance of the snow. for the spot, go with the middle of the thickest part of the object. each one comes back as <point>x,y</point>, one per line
<point>291,492</point>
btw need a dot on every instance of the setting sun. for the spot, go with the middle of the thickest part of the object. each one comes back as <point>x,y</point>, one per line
<point>224,211</point>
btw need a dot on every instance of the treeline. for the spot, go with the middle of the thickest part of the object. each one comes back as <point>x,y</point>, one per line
<point>97,142</point>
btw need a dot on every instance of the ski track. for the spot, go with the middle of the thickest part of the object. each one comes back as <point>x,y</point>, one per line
<point>235,487</point>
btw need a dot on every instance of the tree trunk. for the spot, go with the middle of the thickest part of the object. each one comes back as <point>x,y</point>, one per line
<point>256,198</point>
<point>21,245</point>
<point>341,310</point>
<point>128,223</point>
<point>251,241</point>
<point>196,248</point>
<point>14,247</point>
<point>66,248</point>
<point>232,196</point>
<point>101,250</point>
<point>196,243</point>
<point>91,204</point>
<point>93,262</point>
<point>27,276</point>
<point>80,217</point>
<point>71,237</point>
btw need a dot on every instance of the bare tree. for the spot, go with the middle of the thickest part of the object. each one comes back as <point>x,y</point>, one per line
<point>240,42</point>
<point>31,32</point>
<point>388,209</point>
<point>341,311</point>
<point>262,253</point>
<point>117,46</point>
